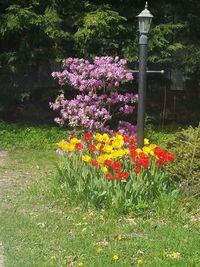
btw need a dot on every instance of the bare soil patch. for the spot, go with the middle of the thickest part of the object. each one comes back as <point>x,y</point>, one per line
<point>3,183</point>
<point>3,155</point>
<point>4,175</point>
<point>1,256</point>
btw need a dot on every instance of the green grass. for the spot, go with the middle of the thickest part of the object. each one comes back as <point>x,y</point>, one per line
<point>19,136</point>
<point>38,221</point>
<point>160,135</point>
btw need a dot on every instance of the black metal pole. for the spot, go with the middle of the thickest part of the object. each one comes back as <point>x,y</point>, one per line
<point>142,89</point>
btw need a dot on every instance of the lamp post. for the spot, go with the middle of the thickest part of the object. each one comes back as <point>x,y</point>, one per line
<point>145,18</point>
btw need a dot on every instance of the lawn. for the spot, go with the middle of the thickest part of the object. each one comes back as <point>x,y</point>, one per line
<point>40,226</point>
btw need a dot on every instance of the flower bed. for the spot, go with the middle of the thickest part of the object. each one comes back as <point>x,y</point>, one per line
<point>110,170</point>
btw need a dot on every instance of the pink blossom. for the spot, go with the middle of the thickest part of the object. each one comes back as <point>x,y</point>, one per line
<point>97,100</point>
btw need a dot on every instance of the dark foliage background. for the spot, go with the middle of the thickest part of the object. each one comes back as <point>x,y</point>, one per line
<point>37,34</point>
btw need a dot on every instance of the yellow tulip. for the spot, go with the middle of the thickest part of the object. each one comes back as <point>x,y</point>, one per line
<point>100,159</point>
<point>146,150</point>
<point>126,152</point>
<point>152,146</point>
<point>117,143</point>
<point>98,137</point>
<point>119,137</point>
<point>74,140</point>
<point>146,141</point>
<point>86,158</point>
<point>104,169</point>
<point>98,146</point>
<point>107,148</point>
<point>61,144</point>
<point>70,147</point>
<point>106,138</point>
<point>138,150</point>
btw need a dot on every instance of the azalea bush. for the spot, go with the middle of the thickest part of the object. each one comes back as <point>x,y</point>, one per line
<point>111,171</point>
<point>97,98</point>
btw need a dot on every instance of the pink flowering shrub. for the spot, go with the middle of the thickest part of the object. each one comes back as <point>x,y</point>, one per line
<point>97,99</point>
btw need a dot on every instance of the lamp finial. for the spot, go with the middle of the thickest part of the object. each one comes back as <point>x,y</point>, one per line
<point>146,5</point>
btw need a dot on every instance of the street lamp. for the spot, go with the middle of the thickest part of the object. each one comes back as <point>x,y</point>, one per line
<point>145,18</point>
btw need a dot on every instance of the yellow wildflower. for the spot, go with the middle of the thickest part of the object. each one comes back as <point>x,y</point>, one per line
<point>86,158</point>
<point>175,255</point>
<point>101,217</point>
<point>99,250</point>
<point>139,261</point>
<point>165,254</point>
<point>80,264</point>
<point>53,258</point>
<point>120,237</point>
<point>115,258</point>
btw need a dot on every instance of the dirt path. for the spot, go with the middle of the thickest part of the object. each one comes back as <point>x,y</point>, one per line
<point>3,184</point>
<point>3,177</point>
<point>1,256</point>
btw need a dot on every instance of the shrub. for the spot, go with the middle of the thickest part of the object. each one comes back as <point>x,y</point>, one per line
<point>186,146</point>
<point>97,101</point>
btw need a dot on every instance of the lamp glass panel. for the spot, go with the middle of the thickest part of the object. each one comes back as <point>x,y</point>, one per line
<point>144,25</point>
